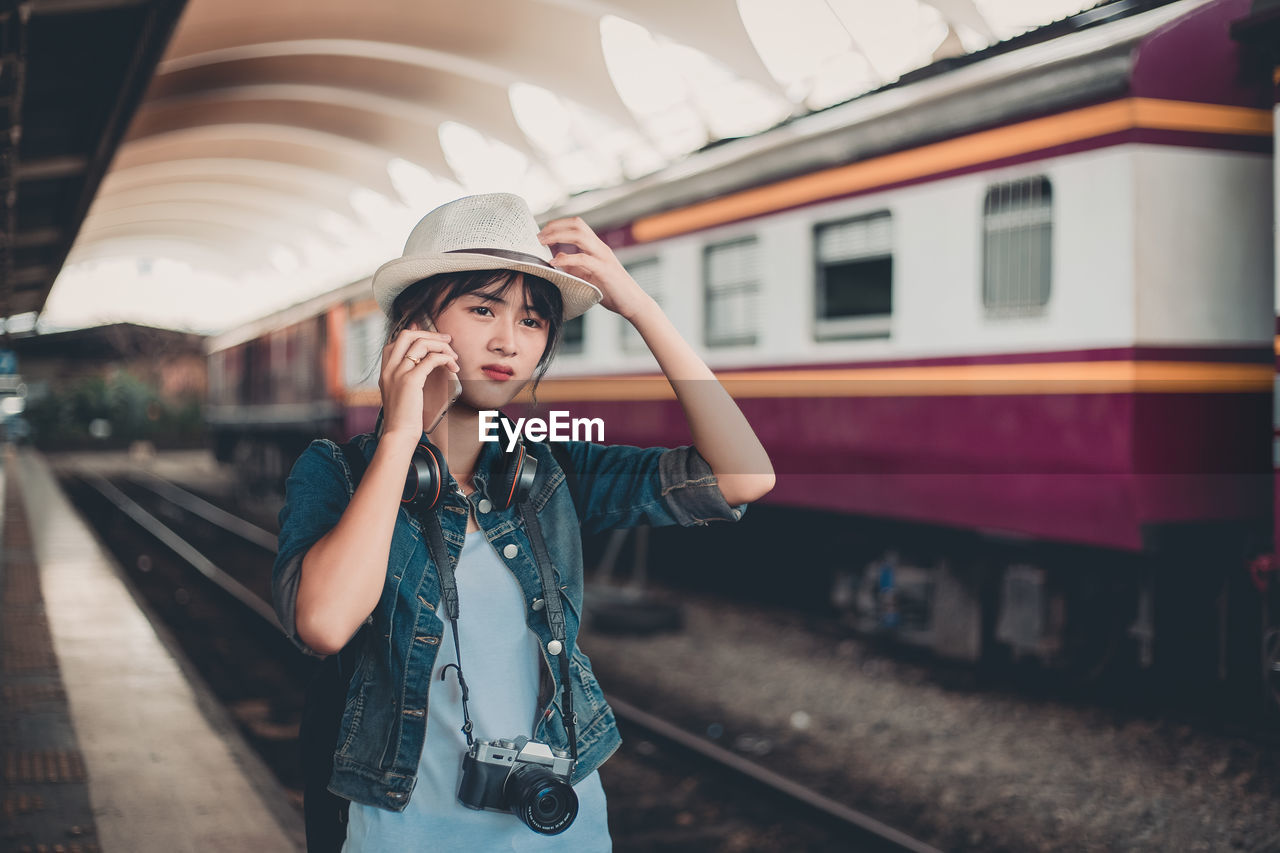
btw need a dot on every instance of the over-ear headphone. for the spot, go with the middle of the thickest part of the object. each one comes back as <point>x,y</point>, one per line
<point>510,480</point>
<point>428,472</point>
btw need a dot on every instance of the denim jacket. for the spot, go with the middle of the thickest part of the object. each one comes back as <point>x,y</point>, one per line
<point>384,720</point>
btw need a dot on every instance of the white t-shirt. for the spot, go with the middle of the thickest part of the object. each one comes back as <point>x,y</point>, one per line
<point>500,660</point>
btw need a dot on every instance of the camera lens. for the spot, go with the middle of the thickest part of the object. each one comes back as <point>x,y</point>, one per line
<point>542,800</point>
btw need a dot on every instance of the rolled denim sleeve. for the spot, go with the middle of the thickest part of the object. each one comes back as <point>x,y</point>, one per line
<point>625,486</point>
<point>316,495</point>
<point>691,490</point>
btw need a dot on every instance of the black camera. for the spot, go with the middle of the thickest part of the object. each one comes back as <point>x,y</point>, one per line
<point>525,777</point>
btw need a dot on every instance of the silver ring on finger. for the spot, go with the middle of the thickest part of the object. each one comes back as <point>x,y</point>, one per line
<point>414,360</point>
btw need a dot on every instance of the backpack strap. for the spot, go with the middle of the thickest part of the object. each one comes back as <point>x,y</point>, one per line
<point>561,456</point>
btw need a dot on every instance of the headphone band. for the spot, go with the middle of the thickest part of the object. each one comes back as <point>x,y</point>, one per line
<point>429,471</point>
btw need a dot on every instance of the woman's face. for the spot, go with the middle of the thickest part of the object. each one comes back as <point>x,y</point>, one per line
<point>499,340</point>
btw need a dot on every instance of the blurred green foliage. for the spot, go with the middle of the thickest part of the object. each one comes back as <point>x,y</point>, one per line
<point>61,419</point>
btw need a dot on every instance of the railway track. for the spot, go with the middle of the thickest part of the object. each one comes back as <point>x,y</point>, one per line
<point>199,537</point>
<point>878,835</point>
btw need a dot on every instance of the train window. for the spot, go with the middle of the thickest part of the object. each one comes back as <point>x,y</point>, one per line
<point>732,275</point>
<point>1017,221</point>
<point>573,335</point>
<point>646,275</point>
<point>363,357</point>
<point>854,297</point>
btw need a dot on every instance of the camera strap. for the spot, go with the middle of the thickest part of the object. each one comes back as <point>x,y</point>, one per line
<point>554,608</point>
<point>555,617</point>
<point>449,598</point>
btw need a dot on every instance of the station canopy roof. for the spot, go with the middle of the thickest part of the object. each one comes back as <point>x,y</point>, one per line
<point>287,147</point>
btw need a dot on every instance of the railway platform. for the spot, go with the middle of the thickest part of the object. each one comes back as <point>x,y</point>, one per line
<point>111,741</point>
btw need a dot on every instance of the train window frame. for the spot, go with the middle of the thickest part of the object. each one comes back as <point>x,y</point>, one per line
<point>827,328</point>
<point>751,290</point>
<point>631,341</point>
<point>1021,298</point>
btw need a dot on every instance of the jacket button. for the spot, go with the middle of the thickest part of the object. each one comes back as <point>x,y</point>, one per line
<point>538,604</point>
<point>510,551</point>
<point>484,505</point>
<point>555,647</point>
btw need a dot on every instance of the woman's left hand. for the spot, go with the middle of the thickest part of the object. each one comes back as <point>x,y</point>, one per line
<point>594,262</point>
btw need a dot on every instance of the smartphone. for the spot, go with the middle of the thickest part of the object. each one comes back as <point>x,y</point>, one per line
<point>455,386</point>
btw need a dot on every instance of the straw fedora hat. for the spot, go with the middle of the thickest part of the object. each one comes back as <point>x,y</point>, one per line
<point>495,231</point>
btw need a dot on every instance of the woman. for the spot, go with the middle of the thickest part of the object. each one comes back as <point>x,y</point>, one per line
<point>478,296</point>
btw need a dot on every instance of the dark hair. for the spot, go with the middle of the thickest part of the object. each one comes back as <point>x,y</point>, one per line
<point>425,299</point>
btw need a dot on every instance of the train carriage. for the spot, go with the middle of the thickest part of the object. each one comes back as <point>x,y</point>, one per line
<point>1010,319</point>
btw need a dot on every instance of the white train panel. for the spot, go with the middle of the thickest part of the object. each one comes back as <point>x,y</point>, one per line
<point>937,243</point>
<point>1203,247</point>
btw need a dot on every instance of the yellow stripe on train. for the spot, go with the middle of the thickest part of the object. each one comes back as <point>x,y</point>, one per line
<point>971,150</point>
<point>1080,377</point>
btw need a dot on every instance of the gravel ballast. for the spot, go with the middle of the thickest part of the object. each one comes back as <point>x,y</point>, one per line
<point>961,769</point>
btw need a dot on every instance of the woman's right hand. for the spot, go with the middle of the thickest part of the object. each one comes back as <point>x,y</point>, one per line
<point>413,391</point>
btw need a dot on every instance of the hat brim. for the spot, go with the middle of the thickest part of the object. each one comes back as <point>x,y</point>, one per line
<point>395,275</point>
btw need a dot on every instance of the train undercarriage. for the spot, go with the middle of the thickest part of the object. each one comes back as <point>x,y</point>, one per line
<point>1190,618</point>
